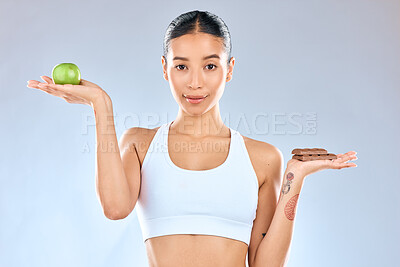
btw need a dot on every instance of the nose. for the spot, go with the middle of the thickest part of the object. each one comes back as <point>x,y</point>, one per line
<point>196,80</point>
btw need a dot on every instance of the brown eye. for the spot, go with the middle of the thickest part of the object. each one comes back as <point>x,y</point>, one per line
<point>177,66</point>
<point>212,65</point>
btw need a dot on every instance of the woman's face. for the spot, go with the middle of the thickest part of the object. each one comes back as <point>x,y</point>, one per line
<point>197,67</point>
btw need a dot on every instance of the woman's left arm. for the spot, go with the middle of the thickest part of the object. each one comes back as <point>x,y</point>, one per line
<point>274,248</point>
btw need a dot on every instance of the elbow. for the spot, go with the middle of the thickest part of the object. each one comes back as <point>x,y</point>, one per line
<point>117,212</point>
<point>269,263</point>
<point>116,215</point>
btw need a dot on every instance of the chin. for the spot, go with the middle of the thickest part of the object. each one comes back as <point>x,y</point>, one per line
<point>195,110</point>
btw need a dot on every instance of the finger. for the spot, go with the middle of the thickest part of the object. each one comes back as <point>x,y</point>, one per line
<point>343,165</point>
<point>67,89</point>
<point>51,89</point>
<point>33,84</point>
<point>339,159</point>
<point>53,86</point>
<point>348,153</point>
<point>47,79</point>
<point>346,157</point>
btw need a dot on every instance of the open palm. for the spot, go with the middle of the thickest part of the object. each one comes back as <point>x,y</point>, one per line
<point>309,167</point>
<point>84,93</point>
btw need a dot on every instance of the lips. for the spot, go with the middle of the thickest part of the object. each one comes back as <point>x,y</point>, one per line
<point>195,96</point>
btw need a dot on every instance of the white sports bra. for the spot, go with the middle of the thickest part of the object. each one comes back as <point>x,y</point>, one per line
<point>221,201</point>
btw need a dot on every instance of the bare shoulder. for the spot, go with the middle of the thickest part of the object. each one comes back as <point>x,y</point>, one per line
<point>262,148</point>
<point>139,133</point>
<point>266,158</point>
<point>140,138</point>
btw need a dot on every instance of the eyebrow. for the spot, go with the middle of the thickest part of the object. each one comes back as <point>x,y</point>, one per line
<point>204,58</point>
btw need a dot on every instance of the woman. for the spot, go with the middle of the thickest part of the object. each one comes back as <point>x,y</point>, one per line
<point>207,208</point>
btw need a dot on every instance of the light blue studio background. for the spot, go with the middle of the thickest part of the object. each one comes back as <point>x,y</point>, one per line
<point>307,74</point>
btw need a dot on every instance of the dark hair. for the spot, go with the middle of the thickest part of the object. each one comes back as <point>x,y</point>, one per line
<point>194,22</point>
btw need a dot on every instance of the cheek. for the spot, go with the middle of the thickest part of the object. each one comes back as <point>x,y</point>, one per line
<point>177,87</point>
<point>215,81</point>
<point>177,80</point>
<point>218,77</point>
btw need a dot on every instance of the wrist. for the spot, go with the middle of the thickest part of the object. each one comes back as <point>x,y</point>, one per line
<point>102,100</point>
<point>296,173</point>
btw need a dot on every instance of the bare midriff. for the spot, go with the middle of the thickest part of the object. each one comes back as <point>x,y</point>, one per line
<point>184,250</point>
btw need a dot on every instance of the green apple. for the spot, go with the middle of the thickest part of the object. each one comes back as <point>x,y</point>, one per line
<point>66,73</point>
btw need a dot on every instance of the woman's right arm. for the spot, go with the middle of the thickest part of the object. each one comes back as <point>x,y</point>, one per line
<point>117,174</point>
<point>112,186</point>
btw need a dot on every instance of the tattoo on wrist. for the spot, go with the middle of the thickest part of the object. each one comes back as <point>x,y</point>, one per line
<point>263,234</point>
<point>286,186</point>
<point>290,207</point>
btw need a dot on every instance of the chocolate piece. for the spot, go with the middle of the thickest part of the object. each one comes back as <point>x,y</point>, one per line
<point>307,154</point>
<point>314,157</point>
<point>309,151</point>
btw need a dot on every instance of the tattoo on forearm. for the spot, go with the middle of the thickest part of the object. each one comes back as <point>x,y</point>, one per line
<point>290,207</point>
<point>286,186</point>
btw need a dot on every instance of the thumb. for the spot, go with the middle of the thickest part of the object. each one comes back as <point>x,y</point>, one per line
<point>47,79</point>
<point>87,83</point>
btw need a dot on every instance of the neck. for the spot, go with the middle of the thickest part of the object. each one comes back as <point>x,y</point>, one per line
<point>207,124</point>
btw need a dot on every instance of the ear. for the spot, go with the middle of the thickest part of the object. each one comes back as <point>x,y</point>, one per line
<point>164,65</point>
<point>230,69</point>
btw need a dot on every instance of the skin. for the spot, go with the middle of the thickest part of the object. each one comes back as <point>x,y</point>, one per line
<point>203,250</point>
<point>198,123</point>
<point>196,76</point>
<point>274,247</point>
<point>203,119</point>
